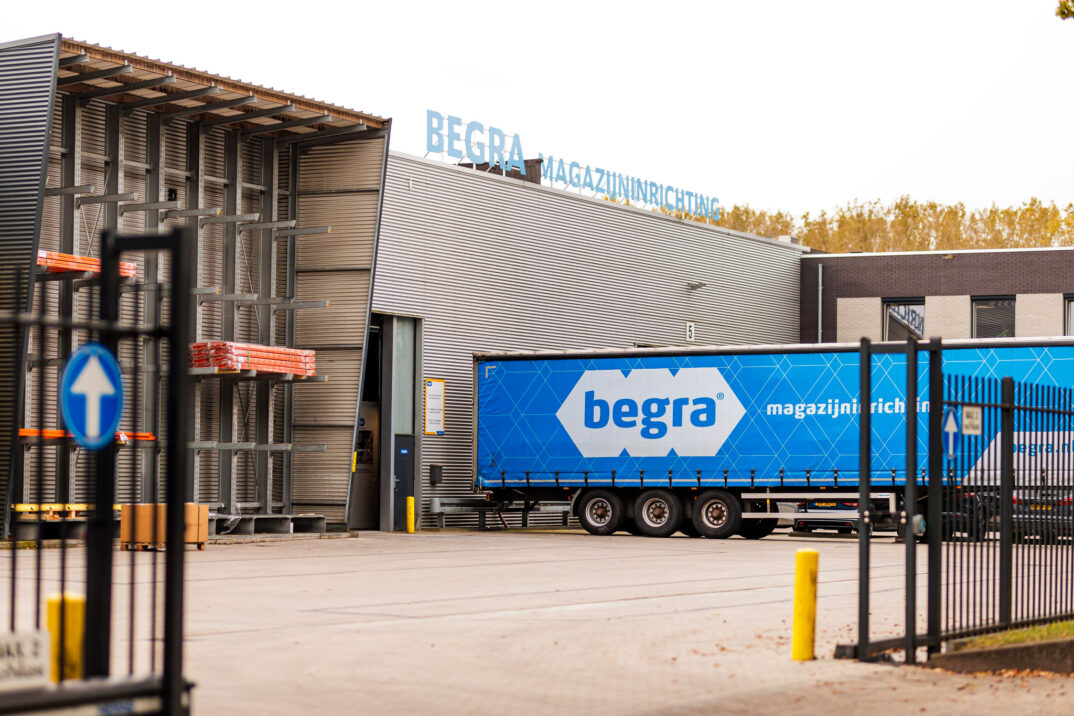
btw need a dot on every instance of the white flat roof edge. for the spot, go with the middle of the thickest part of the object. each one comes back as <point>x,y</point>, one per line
<point>940,252</point>
<point>601,202</point>
<point>784,347</point>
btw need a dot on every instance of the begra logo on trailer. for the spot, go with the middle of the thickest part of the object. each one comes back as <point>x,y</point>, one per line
<point>649,413</point>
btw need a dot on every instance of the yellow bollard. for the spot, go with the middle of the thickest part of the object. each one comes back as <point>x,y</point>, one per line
<point>805,604</point>
<point>74,606</point>
<point>410,515</point>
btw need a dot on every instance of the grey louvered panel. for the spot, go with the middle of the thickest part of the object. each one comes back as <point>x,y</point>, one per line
<point>248,248</point>
<point>353,223</point>
<point>350,169</point>
<point>45,489</point>
<point>84,475</point>
<point>27,76</point>
<point>212,265</point>
<point>245,431</point>
<point>330,403</point>
<point>50,217</point>
<point>342,323</point>
<point>208,461</point>
<point>134,134</point>
<point>95,173</point>
<point>213,153</point>
<point>335,167</point>
<point>547,269</point>
<point>318,478</point>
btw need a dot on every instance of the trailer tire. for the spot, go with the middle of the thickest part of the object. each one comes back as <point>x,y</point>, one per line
<point>717,514</point>
<point>600,512</point>
<point>687,528</point>
<point>658,513</point>
<point>758,529</point>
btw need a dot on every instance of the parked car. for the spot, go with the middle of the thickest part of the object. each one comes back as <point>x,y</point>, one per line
<point>883,519</point>
<point>1045,514</point>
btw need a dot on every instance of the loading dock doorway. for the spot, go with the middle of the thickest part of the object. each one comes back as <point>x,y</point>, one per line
<point>387,445</point>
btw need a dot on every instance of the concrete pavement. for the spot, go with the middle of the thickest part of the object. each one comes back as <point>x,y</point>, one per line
<point>469,623</point>
<point>530,623</point>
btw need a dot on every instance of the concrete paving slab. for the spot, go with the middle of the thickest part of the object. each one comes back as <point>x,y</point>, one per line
<point>536,622</point>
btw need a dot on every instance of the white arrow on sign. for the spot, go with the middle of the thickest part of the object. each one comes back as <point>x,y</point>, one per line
<point>952,430</point>
<point>93,384</point>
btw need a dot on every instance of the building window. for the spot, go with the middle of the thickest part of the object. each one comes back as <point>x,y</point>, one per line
<point>993,317</point>
<point>1069,322</point>
<point>903,319</point>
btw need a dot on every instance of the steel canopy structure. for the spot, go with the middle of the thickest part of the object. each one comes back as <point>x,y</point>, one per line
<point>282,194</point>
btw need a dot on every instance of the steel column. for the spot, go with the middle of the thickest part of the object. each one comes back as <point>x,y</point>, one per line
<point>289,334</point>
<point>195,188</point>
<point>154,192</point>
<point>933,525</point>
<point>97,640</point>
<point>227,460</point>
<point>910,500</point>
<point>865,470</point>
<point>70,175</point>
<point>266,288</point>
<point>179,469</point>
<point>1006,501</point>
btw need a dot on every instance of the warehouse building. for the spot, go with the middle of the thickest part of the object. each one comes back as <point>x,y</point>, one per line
<point>469,261</point>
<point>391,269</point>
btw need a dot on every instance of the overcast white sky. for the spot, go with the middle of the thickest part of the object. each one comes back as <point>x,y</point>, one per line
<point>799,106</point>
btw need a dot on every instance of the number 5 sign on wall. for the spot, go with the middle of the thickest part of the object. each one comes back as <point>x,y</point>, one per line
<point>434,406</point>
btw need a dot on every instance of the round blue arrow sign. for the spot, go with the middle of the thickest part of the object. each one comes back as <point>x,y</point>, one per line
<point>91,396</point>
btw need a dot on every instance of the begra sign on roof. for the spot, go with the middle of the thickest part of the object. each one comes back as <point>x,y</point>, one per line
<point>479,144</point>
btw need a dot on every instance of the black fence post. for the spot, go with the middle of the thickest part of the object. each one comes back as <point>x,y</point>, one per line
<point>864,488</point>
<point>179,436</point>
<point>96,646</point>
<point>910,500</point>
<point>1006,501</point>
<point>935,490</point>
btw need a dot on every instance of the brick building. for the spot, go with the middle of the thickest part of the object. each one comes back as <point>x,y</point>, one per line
<point>950,294</point>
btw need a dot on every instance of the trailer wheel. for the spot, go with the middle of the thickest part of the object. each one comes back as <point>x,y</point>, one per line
<point>717,514</point>
<point>600,512</point>
<point>658,513</point>
<point>758,529</point>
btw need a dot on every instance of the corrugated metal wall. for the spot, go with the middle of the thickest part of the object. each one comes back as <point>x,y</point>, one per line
<point>338,185</point>
<point>27,79</point>
<point>490,263</point>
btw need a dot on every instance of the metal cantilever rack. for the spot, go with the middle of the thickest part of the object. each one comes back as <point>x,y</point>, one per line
<point>123,168</point>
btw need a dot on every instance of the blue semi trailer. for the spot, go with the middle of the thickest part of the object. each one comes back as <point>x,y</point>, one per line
<point>706,440</point>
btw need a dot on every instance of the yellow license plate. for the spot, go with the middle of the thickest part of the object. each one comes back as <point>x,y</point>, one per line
<point>1040,507</point>
<point>824,504</point>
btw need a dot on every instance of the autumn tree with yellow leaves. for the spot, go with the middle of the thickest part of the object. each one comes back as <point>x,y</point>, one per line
<point>909,225</point>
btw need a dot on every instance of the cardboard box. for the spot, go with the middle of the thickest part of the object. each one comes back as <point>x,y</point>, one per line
<point>136,525</point>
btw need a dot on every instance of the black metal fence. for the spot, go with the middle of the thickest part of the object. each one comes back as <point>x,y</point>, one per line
<point>996,509</point>
<point>1008,529</point>
<point>134,663</point>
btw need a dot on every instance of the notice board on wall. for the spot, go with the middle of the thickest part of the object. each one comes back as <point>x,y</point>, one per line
<point>434,406</point>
